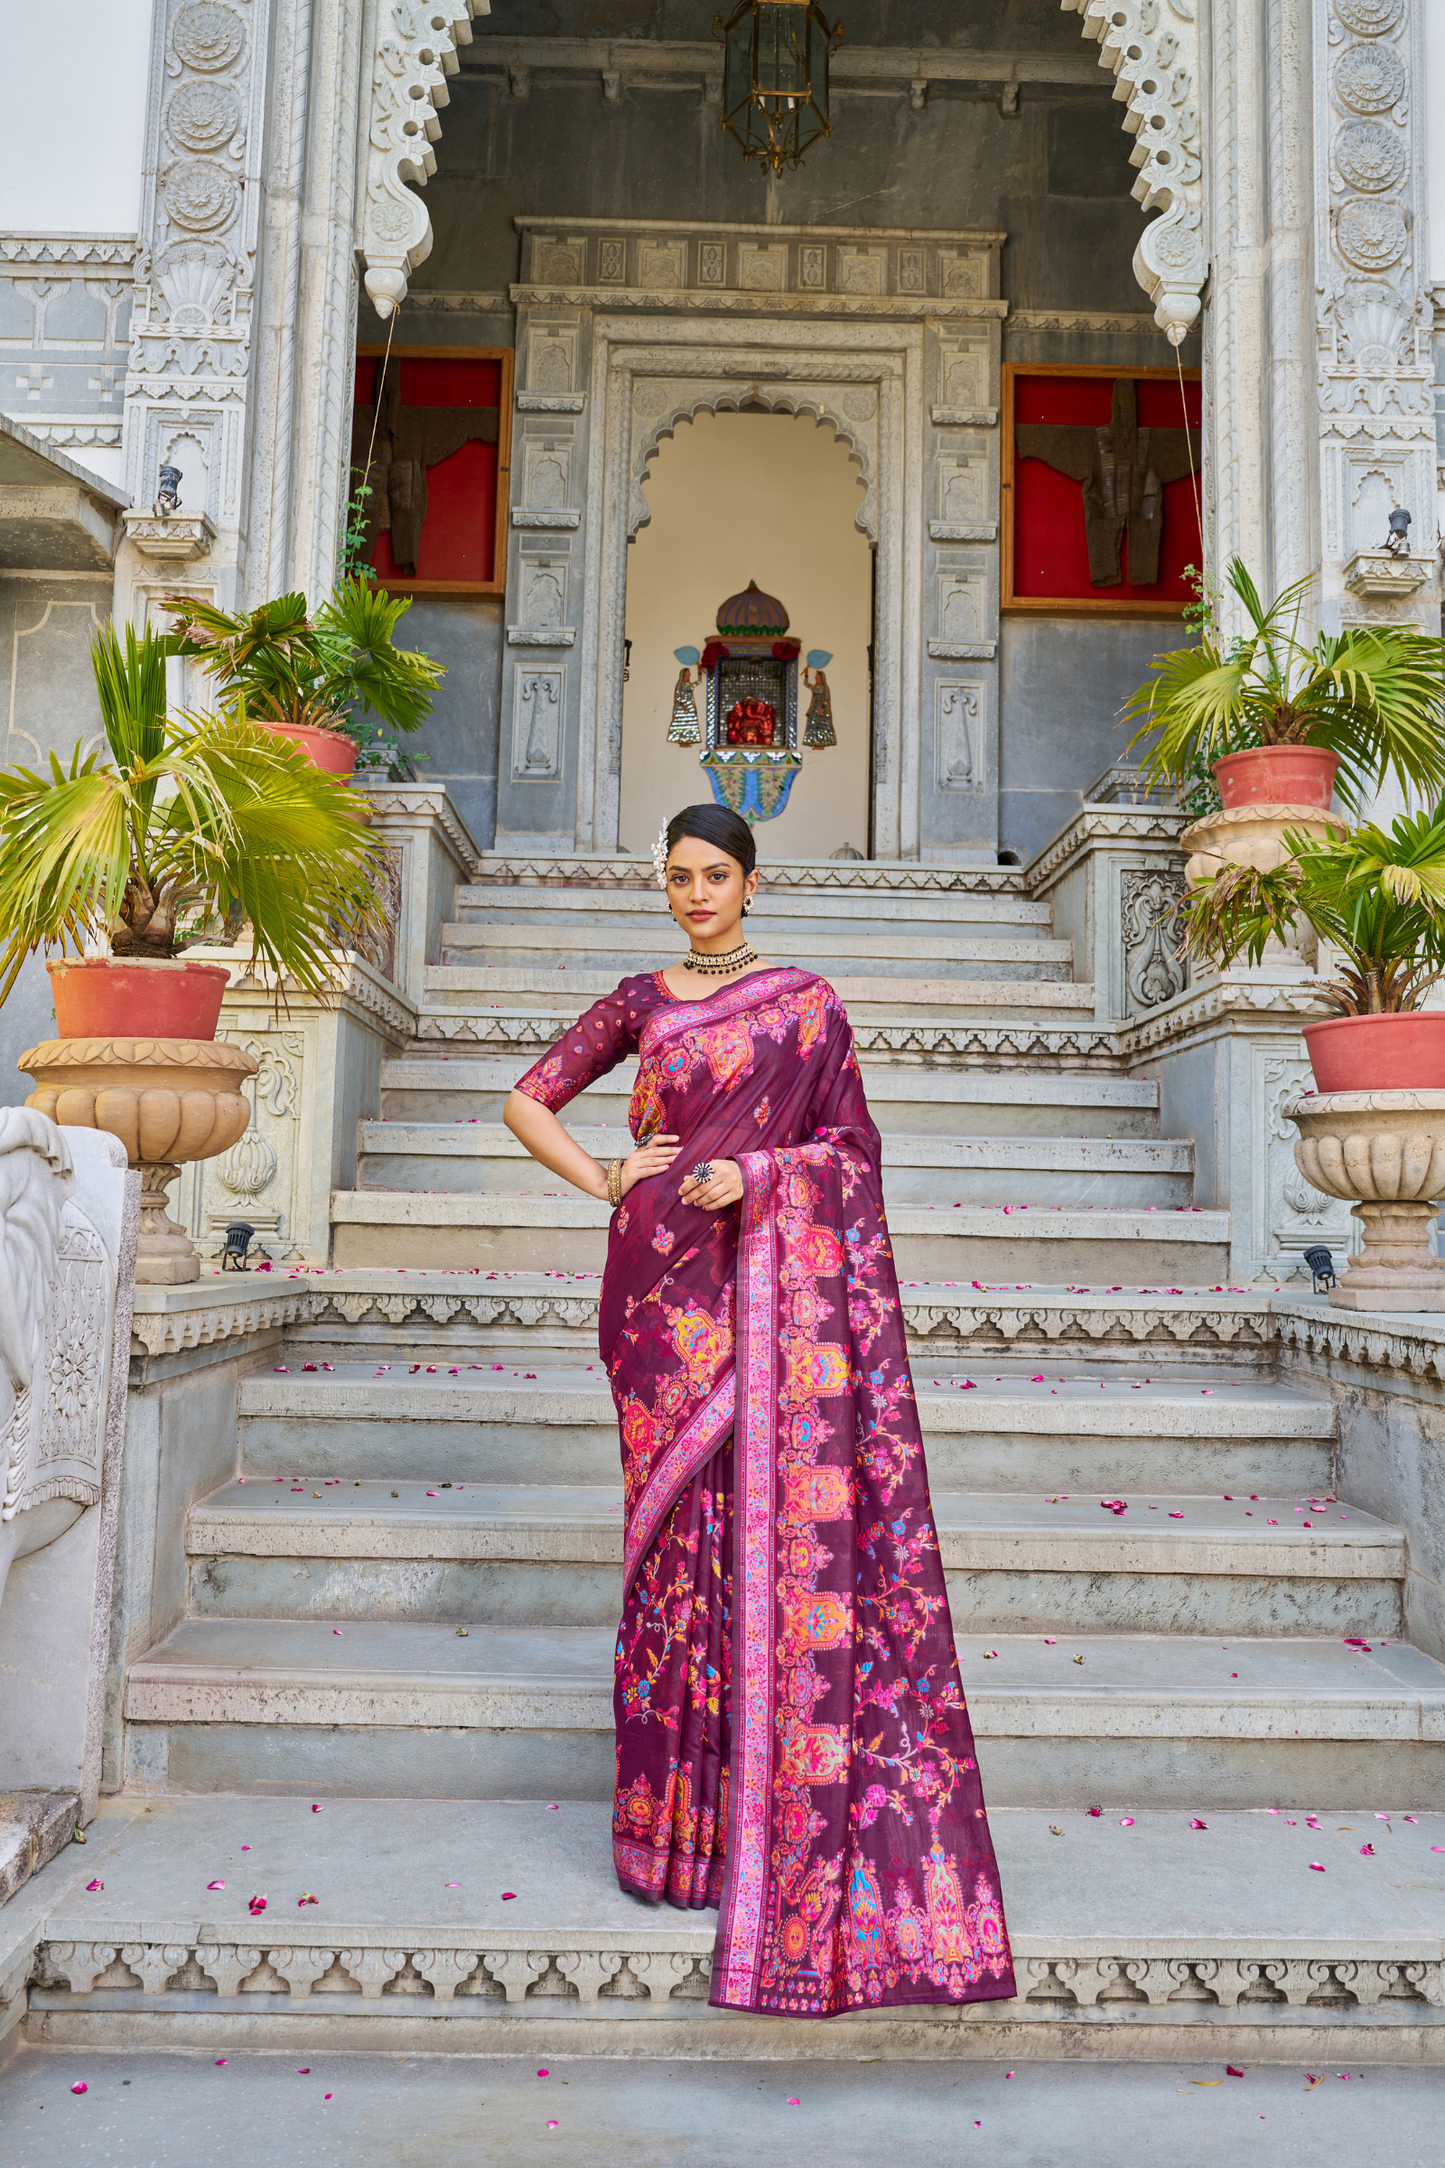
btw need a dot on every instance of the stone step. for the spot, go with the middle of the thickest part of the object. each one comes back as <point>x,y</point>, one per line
<point>1134,1935</point>
<point>567,1232</point>
<point>776,912</point>
<point>869,998</point>
<point>422,1712</point>
<point>554,1422</point>
<point>920,1101</point>
<point>550,1555</point>
<point>623,952</point>
<point>472,1156</point>
<point>625,874</point>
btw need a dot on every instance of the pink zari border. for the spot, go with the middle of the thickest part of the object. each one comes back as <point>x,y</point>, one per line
<point>695,1443</point>
<point>738,1950</point>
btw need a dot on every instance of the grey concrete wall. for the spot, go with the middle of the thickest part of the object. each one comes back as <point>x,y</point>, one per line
<point>459,739</point>
<point>1062,683</point>
<point>49,704</point>
<point>180,1443</point>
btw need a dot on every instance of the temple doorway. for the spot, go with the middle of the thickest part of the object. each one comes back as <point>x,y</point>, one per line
<point>736,499</point>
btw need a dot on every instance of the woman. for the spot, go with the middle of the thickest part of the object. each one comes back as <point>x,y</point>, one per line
<point>792,1742</point>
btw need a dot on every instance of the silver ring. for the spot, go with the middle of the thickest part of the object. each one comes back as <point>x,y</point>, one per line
<point>702,1172</point>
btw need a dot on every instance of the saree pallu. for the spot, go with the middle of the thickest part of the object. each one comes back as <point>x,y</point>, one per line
<point>792,1739</point>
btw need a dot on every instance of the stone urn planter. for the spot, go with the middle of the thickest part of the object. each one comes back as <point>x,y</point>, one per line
<point>1387,1149</point>
<point>169,1101</point>
<point>1266,792</point>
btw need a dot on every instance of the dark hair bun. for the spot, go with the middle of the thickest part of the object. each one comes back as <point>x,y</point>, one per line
<point>716,825</point>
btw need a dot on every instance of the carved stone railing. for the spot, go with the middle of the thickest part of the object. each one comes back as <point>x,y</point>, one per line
<point>319,1061</point>
<point>1114,877</point>
<point>68,1222</point>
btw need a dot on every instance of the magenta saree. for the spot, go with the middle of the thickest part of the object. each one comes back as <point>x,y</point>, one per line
<point>792,1740</point>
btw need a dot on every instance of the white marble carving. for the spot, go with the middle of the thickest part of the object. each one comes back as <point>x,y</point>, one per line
<point>959,708</point>
<point>1152,46</point>
<point>68,1220</point>
<point>537,724</point>
<point>414,53</point>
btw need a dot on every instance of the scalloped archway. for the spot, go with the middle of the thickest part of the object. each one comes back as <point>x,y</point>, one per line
<point>1152,48</point>
<point>866,380</point>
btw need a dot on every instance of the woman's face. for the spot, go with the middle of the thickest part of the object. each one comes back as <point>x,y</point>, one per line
<point>706,891</point>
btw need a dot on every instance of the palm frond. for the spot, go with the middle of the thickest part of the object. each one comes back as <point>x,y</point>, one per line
<point>1374,696</point>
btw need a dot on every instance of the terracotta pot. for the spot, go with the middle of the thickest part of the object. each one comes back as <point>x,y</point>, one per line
<point>1279,775</point>
<point>326,748</point>
<point>1379,1053</point>
<point>167,1100</point>
<point>107,997</point>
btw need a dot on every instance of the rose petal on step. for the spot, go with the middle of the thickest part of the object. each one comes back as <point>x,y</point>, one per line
<point>795,2103</point>
<point>306,1898</point>
<point>1127,1822</point>
<point>1197,1824</point>
<point>220,2062</point>
<point>215,1885</point>
<point>1231,2072</point>
<point>315,1809</point>
<point>82,2087</point>
<point>304,2073</point>
<point>101,1885</point>
<point>552,2123</point>
<point>1316,1866</point>
<point>507,1896</point>
<point>1367,1851</point>
<point>544,2073</point>
<point>256,1905</point>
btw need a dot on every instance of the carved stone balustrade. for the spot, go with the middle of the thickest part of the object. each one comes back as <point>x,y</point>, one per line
<point>68,1212</point>
<point>1388,1150</point>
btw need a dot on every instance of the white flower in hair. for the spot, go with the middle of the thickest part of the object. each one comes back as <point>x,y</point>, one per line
<point>659,858</point>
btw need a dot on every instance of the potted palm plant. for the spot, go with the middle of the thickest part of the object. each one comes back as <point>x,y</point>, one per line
<point>1287,725</point>
<point>191,826</point>
<point>1379,897</point>
<point>307,678</point>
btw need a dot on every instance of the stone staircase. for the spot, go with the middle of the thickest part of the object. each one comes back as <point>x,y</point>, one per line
<point>394,1665</point>
<point>1031,1170</point>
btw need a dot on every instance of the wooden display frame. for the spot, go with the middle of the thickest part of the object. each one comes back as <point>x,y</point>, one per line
<point>1064,605</point>
<point>505,355</point>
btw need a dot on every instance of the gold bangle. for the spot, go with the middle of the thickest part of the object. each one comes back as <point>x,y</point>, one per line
<point>614,1183</point>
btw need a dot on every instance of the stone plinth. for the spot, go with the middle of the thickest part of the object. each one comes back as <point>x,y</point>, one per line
<point>167,1100</point>
<point>1388,1150</point>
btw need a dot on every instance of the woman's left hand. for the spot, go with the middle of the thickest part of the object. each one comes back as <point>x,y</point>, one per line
<point>724,1186</point>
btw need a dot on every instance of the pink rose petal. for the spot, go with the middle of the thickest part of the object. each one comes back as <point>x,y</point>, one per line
<point>220,2062</point>
<point>81,2088</point>
<point>215,1885</point>
<point>1316,1866</point>
<point>95,1885</point>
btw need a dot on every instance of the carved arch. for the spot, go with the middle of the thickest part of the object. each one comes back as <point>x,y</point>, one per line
<point>415,52</point>
<point>802,404</point>
<point>1152,46</point>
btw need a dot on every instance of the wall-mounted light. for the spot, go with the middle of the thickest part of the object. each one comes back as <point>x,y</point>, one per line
<point>775,77</point>
<point>1397,541</point>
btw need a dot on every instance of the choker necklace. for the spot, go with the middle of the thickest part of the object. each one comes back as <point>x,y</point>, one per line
<point>713,966</point>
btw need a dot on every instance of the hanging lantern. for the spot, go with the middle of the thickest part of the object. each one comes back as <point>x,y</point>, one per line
<point>775,77</point>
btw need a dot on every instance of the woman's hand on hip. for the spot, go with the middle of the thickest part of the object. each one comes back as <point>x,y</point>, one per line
<point>654,1157</point>
<point>724,1186</point>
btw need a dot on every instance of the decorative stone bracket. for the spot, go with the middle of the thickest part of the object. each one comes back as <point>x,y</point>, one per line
<point>1153,48</point>
<point>416,50</point>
